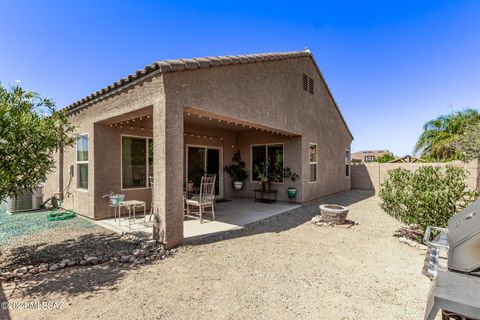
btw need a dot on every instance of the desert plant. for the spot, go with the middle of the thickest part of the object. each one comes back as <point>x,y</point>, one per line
<point>427,196</point>
<point>31,131</point>
<point>237,169</point>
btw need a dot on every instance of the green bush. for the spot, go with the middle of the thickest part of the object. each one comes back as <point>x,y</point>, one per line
<point>427,196</point>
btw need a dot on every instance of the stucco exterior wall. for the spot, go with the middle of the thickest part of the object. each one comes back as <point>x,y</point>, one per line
<point>266,93</point>
<point>370,176</point>
<point>271,94</point>
<point>136,99</point>
<point>291,158</point>
<point>108,164</point>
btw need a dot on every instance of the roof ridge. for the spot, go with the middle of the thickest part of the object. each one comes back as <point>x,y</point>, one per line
<point>164,66</point>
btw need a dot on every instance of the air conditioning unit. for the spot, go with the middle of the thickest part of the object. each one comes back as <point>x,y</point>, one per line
<point>25,201</point>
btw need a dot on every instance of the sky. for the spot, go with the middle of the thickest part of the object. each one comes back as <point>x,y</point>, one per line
<point>391,65</point>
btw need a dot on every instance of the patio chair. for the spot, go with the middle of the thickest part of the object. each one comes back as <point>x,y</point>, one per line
<point>206,198</point>
<point>214,176</point>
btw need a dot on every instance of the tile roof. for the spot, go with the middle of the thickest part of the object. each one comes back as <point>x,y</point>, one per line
<point>165,66</point>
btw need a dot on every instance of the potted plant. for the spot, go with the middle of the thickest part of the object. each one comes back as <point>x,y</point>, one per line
<point>262,173</point>
<point>237,171</point>
<point>292,176</point>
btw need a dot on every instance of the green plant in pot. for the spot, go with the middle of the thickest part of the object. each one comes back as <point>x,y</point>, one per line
<point>263,174</point>
<point>237,171</point>
<point>292,176</point>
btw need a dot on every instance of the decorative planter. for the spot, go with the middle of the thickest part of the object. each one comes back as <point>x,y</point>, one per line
<point>238,185</point>
<point>292,192</point>
<point>333,213</point>
<point>266,186</point>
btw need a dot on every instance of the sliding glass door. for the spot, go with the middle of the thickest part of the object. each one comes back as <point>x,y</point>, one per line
<point>201,160</point>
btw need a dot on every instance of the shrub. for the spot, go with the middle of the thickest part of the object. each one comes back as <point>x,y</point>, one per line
<point>425,197</point>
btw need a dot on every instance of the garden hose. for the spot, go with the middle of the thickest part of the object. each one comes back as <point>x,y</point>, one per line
<point>58,213</point>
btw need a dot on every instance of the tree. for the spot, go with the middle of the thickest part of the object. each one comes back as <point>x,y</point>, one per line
<point>31,132</point>
<point>386,157</point>
<point>469,143</point>
<point>440,135</point>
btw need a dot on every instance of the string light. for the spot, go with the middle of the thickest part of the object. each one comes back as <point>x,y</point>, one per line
<point>129,121</point>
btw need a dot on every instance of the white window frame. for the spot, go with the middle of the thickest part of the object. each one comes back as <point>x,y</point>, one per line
<point>348,163</point>
<point>146,160</point>
<point>266,153</point>
<point>82,162</point>
<point>315,163</point>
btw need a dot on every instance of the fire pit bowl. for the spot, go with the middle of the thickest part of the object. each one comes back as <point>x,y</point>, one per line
<point>333,213</point>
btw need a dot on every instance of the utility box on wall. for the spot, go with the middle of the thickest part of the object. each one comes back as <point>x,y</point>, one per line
<point>25,201</point>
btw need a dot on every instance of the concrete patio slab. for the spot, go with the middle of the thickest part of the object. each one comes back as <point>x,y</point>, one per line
<point>229,215</point>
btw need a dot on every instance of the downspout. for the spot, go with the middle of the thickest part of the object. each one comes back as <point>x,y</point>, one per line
<point>60,173</point>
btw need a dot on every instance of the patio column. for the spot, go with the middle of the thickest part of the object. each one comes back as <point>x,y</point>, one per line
<point>168,172</point>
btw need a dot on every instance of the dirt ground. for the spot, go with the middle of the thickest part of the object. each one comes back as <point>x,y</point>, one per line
<point>281,268</point>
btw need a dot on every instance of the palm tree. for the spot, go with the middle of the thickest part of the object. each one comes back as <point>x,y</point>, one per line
<point>440,135</point>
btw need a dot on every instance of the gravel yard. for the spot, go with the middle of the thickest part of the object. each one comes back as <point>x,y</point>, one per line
<point>280,268</point>
<point>30,239</point>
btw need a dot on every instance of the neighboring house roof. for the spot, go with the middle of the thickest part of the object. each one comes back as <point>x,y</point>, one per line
<point>359,155</point>
<point>165,66</point>
<point>407,159</point>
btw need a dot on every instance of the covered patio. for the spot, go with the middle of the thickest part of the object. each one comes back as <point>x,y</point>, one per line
<point>209,142</point>
<point>230,215</point>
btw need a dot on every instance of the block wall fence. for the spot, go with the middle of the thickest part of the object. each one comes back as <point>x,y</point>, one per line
<point>370,176</point>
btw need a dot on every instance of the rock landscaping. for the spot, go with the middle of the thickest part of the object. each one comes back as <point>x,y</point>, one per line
<point>147,250</point>
<point>283,267</point>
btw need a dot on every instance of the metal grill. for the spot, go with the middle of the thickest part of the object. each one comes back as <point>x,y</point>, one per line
<point>453,262</point>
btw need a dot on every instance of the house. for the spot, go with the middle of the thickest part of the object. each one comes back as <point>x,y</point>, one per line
<point>368,155</point>
<point>176,119</point>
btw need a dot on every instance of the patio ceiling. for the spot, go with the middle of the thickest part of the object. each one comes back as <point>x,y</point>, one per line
<point>138,119</point>
<point>206,119</point>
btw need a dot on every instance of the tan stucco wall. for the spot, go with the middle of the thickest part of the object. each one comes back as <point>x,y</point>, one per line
<point>108,153</point>
<point>266,93</point>
<point>271,94</point>
<point>291,158</point>
<point>370,176</point>
<point>137,99</point>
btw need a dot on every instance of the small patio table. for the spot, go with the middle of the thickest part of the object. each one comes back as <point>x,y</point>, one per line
<point>129,205</point>
<point>266,196</point>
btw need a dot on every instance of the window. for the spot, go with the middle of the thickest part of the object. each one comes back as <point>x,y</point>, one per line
<point>313,162</point>
<point>150,160</point>
<point>137,162</point>
<point>308,83</point>
<point>347,163</point>
<point>82,161</point>
<point>369,158</point>
<point>270,158</point>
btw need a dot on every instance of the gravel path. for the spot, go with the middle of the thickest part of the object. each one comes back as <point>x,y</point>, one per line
<point>281,268</point>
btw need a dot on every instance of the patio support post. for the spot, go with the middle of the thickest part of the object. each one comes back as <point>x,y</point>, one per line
<point>168,173</point>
